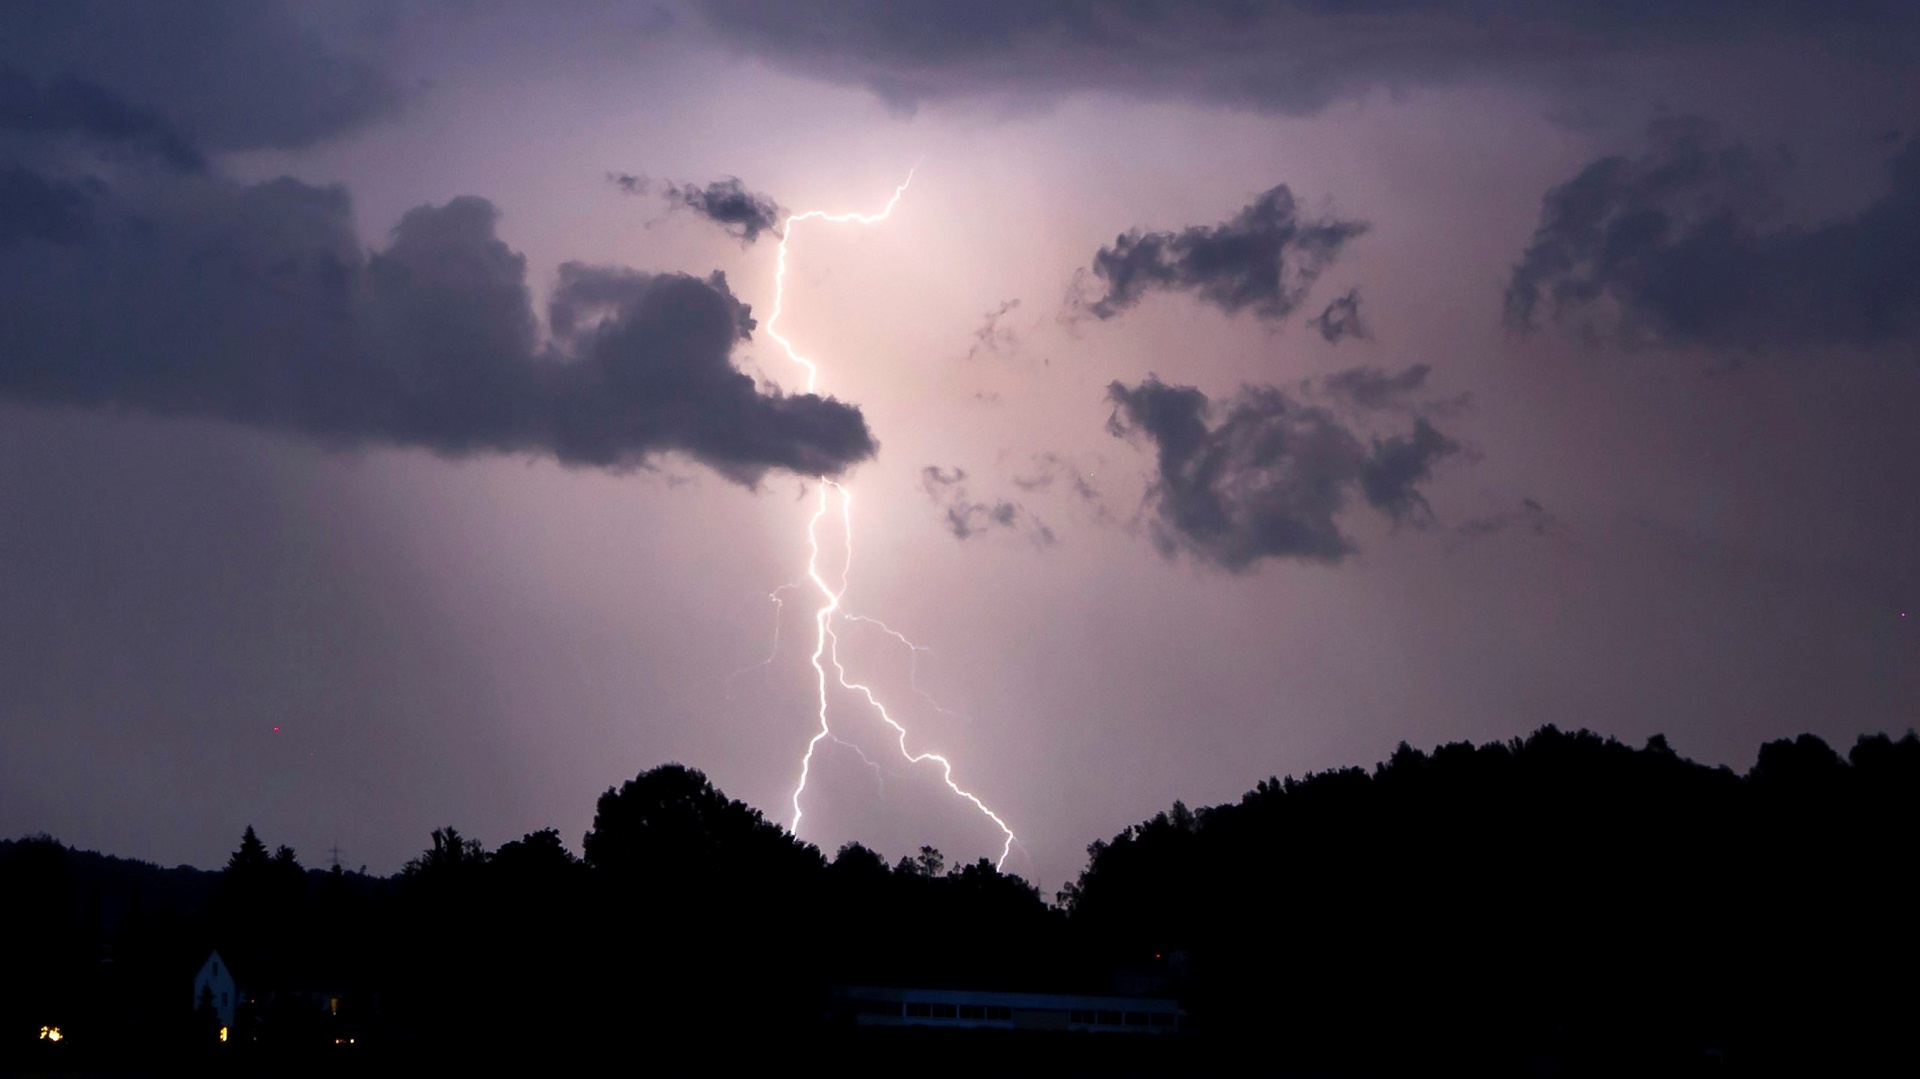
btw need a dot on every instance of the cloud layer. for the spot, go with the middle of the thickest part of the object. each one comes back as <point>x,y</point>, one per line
<point>1677,247</point>
<point>229,74</point>
<point>67,106</point>
<point>1289,57</point>
<point>198,296</point>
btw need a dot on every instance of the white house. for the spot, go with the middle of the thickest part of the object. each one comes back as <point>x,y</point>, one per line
<point>214,985</point>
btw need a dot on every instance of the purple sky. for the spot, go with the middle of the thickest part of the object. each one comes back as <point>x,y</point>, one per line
<point>1628,440</point>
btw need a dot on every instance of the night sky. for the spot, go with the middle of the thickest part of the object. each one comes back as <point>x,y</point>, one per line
<point>391,434</point>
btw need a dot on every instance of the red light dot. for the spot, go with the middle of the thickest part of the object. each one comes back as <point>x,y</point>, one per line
<point>276,730</point>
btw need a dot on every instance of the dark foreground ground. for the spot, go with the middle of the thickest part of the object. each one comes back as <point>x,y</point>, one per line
<point>747,1050</point>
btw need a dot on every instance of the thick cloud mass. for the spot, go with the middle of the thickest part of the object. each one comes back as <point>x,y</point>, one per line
<point>1673,247</point>
<point>254,304</point>
<point>657,374</point>
<point>1290,57</point>
<point>69,106</point>
<point>233,74</point>
<point>133,276</point>
<point>1264,476</point>
<point>1265,260</point>
<point>36,207</point>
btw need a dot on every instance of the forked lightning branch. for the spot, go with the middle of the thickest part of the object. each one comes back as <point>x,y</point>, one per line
<point>826,643</point>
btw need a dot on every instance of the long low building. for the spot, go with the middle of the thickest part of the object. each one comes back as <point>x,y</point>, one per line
<point>963,1008</point>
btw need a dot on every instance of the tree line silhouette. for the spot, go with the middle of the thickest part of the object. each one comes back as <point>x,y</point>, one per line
<point>1561,903</point>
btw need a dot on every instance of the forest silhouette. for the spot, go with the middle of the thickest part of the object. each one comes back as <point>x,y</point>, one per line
<point>1557,904</point>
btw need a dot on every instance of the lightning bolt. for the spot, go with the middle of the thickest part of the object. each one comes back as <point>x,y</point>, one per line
<point>914,652</point>
<point>826,643</point>
<point>779,607</point>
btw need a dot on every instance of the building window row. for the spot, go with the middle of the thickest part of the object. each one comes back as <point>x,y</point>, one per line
<point>920,1009</point>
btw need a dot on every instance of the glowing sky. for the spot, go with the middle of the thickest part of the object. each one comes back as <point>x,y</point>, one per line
<point>302,455</point>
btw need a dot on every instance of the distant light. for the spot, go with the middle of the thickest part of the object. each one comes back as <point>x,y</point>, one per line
<point>223,1033</point>
<point>276,730</point>
<point>50,1034</point>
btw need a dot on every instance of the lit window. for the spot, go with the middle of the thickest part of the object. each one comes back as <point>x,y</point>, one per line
<point>223,1033</point>
<point>50,1034</point>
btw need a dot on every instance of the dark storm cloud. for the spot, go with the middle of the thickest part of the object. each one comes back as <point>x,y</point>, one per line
<point>1340,319</point>
<point>1265,476</point>
<point>966,518</point>
<point>1396,467</point>
<point>134,278</point>
<point>254,304</point>
<point>73,107</point>
<point>1264,259</point>
<point>1284,57</point>
<point>1677,246</point>
<point>232,74</point>
<point>743,214</point>
<point>657,373</point>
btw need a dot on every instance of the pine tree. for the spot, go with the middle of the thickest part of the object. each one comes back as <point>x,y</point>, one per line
<point>252,856</point>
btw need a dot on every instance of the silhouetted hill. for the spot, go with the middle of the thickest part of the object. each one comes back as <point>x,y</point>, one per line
<point>1557,904</point>
<point>1555,899</point>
